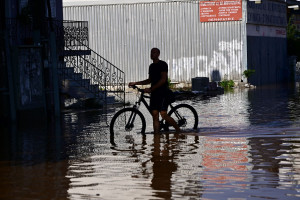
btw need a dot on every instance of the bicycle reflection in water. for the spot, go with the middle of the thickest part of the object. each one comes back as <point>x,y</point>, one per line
<point>158,156</point>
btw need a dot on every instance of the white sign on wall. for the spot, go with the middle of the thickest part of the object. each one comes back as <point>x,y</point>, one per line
<point>266,31</point>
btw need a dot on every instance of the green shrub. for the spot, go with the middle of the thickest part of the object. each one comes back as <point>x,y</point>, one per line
<point>293,38</point>
<point>171,85</point>
<point>248,73</point>
<point>227,84</point>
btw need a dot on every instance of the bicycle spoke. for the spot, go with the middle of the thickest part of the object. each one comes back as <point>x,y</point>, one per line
<point>126,127</point>
<point>126,123</point>
<point>185,116</point>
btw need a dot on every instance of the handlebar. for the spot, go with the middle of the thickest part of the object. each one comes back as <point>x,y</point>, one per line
<point>137,88</point>
<point>142,91</point>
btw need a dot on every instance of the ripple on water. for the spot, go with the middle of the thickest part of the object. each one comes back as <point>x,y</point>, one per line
<point>247,147</point>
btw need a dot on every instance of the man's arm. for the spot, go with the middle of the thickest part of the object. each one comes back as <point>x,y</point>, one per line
<point>144,82</point>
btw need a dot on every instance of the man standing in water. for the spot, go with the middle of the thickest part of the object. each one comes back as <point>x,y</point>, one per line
<point>158,77</point>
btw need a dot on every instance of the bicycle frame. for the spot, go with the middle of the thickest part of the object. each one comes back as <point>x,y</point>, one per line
<point>132,113</point>
<point>137,105</point>
<point>142,99</point>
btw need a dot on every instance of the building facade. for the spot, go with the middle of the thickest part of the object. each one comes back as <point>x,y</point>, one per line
<point>28,59</point>
<point>241,35</point>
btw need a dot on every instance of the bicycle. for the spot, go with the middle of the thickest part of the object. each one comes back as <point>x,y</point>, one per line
<point>130,120</point>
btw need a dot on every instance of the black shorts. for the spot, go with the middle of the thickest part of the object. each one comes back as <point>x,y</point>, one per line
<point>158,102</point>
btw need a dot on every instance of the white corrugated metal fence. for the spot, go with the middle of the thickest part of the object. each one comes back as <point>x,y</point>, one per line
<point>124,34</point>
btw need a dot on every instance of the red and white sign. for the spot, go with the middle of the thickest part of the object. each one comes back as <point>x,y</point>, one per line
<point>223,10</point>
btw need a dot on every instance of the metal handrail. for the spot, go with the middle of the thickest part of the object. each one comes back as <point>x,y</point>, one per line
<point>99,70</point>
<point>84,66</point>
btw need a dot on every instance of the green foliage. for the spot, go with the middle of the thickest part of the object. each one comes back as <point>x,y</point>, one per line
<point>171,85</point>
<point>248,73</point>
<point>293,39</point>
<point>227,84</point>
<point>291,28</point>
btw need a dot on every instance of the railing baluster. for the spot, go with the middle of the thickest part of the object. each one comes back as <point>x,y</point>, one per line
<point>94,67</point>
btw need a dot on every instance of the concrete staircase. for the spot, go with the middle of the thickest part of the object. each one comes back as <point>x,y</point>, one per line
<point>73,85</point>
<point>84,74</point>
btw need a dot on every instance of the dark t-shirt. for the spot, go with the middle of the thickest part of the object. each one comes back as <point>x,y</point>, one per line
<point>155,70</point>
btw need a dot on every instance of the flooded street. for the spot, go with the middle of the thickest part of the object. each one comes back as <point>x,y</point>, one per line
<point>247,147</point>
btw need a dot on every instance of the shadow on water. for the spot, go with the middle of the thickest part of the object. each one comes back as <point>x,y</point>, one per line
<point>32,145</point>
<point>34,158</point>
<point>33,163</point>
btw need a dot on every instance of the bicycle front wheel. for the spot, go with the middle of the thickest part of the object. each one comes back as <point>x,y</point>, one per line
<point>185,116</point>
<point>125,126</point>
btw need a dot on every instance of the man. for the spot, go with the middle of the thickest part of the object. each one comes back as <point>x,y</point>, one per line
<point>158,77</point>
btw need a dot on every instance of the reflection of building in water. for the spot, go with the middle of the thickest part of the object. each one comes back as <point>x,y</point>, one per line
<point>228,110</point>
<point>33,164</point>
<point>266,155</point>
<point>88,126</point>
<point>293,103</point>
<point>208,164</point>
<point>269,107</point>
<point>141,172</point>
<point>292,159</point>
<point>228,156</point>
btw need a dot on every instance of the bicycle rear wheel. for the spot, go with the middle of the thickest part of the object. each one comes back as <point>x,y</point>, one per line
<point>185,116</point>
<point>125,126</point>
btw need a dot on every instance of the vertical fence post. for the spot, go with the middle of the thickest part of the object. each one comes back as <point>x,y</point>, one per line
<point>54,74</point>
<point>11,87</point>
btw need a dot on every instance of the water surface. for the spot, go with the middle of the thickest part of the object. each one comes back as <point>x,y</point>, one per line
<point>247,147</point>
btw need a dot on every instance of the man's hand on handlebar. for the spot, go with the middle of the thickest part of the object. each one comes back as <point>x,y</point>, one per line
<point>147,90</point>
<point>131,84</point>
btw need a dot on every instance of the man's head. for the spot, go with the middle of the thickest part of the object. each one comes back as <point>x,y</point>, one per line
<point>155,52</point>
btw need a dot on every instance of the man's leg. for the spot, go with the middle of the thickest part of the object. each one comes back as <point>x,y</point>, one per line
<point>170,120</point>
<point>155,116</point>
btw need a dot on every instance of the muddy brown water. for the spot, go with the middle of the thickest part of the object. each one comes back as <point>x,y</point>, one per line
<point>247,147</point>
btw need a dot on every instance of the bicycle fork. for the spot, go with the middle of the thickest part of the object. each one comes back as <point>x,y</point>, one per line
<point>129,125</point>
<point>181,120</point>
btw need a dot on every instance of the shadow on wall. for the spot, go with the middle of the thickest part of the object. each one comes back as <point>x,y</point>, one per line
<point>215,75</point>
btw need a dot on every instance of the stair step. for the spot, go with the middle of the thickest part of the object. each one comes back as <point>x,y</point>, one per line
<point>68,70</point>
<point>110,99</point>
<point>75,76</point>
<point>76,83</point>
<point>80,85</point>
<point>80,92</point>
<point>77,52</point>
<point>94,88</point>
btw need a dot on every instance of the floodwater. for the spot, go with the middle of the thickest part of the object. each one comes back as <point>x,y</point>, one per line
<point>247,147</point>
